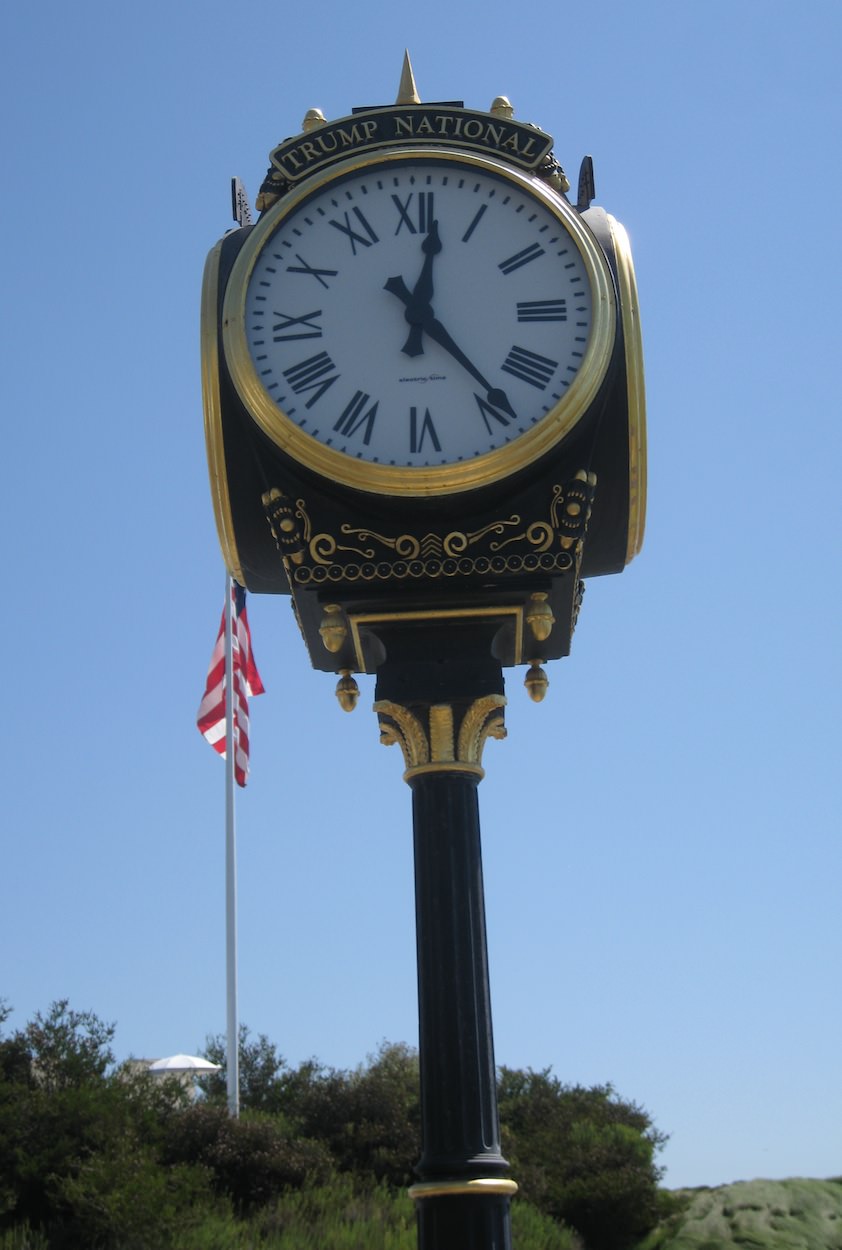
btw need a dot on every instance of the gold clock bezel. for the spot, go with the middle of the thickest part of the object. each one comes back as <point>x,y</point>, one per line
<point>212,408</point>
<point>408,480</point>
<point>633,344</point>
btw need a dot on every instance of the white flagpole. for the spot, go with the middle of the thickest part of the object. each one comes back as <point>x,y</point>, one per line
<point>242,216</point>
<point>232,1045</point>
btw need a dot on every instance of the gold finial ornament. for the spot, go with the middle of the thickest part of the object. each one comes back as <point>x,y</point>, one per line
<point>536,682</point>
<point>539,616</point>
<point>347,691</point>
<point>313,118</point>
<point>501,107</point>
<point>333,629</point>
<point>407,91</point>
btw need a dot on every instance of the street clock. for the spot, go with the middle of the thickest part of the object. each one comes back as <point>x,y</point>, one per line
<point>423,381</point>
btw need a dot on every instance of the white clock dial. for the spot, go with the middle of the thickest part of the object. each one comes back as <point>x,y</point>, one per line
<point>417,314</point>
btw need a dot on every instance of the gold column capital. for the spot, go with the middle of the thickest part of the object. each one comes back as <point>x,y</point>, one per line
<point>442,737</point>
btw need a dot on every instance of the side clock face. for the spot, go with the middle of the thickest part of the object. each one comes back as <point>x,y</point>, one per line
<point>419,324</point>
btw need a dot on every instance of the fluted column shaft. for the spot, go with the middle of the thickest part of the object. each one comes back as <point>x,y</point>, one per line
<point>440,704</point>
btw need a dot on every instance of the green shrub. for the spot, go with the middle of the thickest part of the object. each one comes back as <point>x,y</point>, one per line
<point>124,1200</point>
<point>260,1070</point>
<point>583,1156</point>
<point>533,1230</point>
<point>22,1237</point>
<point>250,1160</point>
<point>369,1119</point>
<point>105,1160</point>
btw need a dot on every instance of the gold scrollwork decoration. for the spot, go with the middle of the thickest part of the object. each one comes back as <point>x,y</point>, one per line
<point>540,535</point>
<point>495,527</point>
<point>323,548</point>
<point>550,544</point>
<point>405,545</point>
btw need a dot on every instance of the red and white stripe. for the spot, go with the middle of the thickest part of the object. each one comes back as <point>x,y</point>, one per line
<point>211,716</point>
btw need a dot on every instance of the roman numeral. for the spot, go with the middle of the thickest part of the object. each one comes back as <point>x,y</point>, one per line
<point>353,417</point>
<point>417,435</point>
<point>318,274</point>
<point>353,237</point>
<point>472,227</point>
<point>309,375</point>
<point>542,310</point>
<point>307,321</point>
<point>423,209</point>
<point>488,410</point>
<point>521,258</point>
<point>529,367</point>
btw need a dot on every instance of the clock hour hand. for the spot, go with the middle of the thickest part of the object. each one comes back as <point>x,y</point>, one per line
<point>418,302</point>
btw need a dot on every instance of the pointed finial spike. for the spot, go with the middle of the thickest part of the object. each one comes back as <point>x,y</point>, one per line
<point>407,91</point>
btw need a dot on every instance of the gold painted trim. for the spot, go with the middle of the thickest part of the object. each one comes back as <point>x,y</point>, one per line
<point>212,408</point>
<point>630,314</point>
<point>407,480</point>
<point>357,620</point>
<point>444,766</point>
<point>447,1189</point>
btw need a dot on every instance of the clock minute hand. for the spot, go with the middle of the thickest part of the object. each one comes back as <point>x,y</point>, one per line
<point>436,331</point>
<point>426,323</point>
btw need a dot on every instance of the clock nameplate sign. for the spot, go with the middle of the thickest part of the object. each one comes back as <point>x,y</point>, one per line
<point>438,126</point>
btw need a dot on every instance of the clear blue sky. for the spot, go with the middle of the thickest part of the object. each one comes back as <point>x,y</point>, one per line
<point>661,835</point>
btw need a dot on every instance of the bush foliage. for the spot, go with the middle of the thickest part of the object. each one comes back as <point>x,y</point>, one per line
<point>94,1157</point>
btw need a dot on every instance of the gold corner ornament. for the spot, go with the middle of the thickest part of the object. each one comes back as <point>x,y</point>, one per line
<point>444,737</point>
<point>313,118</point>
<point>501,107</point>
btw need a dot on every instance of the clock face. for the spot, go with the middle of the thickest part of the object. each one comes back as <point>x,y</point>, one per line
<point>419,324</point>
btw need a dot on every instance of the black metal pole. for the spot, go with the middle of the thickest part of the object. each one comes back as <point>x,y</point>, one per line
<point>460,1123</point>
<point>441,701</point>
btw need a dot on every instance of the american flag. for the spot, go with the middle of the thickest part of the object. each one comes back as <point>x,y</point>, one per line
<point>211,717</point>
